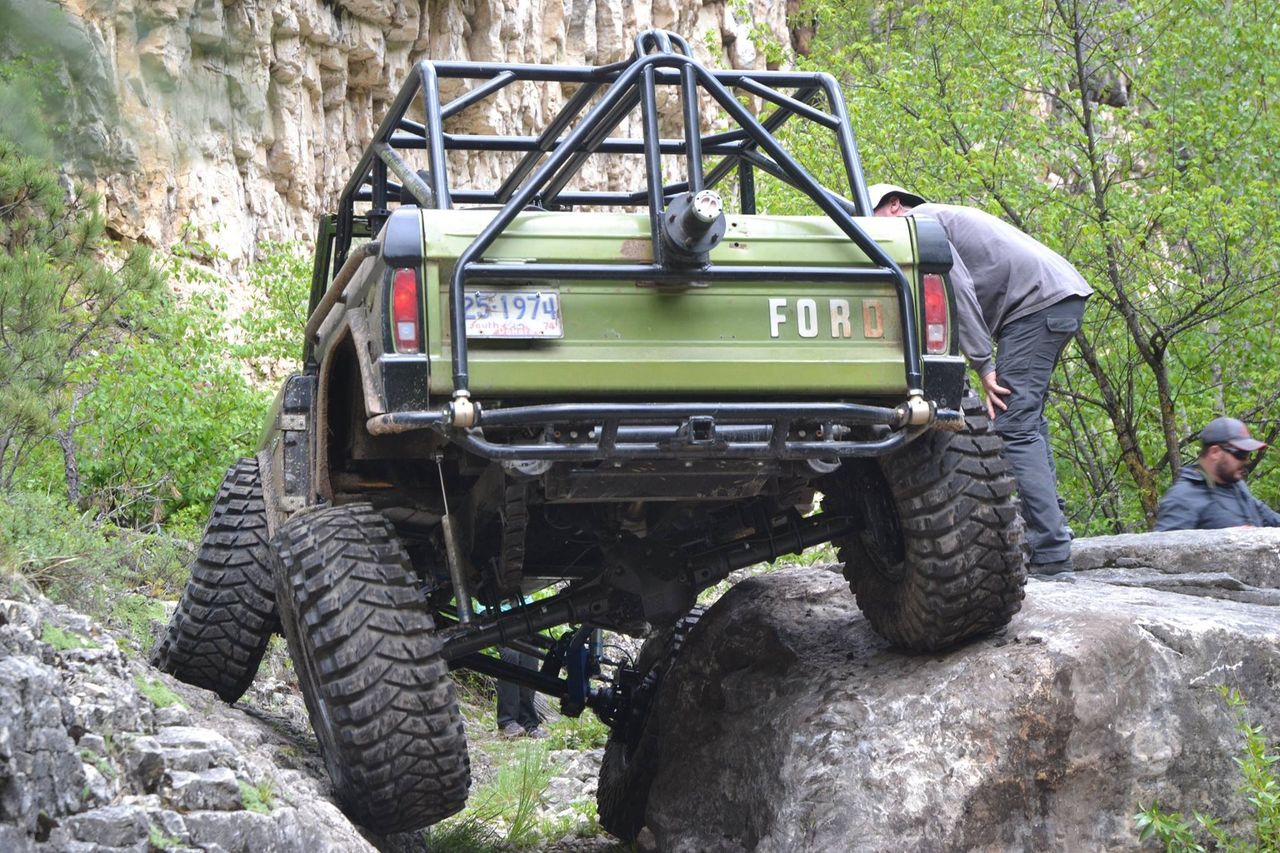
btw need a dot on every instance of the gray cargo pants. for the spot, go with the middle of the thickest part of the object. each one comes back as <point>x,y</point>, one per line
<point>1027,350</point>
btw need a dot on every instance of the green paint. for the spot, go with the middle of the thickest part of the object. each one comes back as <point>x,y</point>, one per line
<point>623,338</point>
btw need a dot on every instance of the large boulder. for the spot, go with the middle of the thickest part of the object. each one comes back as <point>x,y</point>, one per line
<point>789,725</point>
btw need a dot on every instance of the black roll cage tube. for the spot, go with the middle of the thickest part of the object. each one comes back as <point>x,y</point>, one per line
<point>659,58</point>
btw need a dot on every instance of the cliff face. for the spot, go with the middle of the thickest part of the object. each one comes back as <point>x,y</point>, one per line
<point>236,121</point>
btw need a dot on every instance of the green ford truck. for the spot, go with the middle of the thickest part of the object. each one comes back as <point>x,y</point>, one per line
<point>535,410</point>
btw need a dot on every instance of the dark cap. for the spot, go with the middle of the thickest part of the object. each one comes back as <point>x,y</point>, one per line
<point>879,192</point>
<point>1230,432</point>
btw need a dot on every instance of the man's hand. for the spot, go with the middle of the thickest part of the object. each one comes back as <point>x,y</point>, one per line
<point>994,391</point>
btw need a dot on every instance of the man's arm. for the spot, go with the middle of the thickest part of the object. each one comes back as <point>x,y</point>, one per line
<point>1270,518</point>
<point>974,336</point>
<point>971,328</point>
<point>1179,509</point>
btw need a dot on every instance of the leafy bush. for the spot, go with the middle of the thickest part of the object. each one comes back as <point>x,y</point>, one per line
<point>1260,786</point>
<point>156,438</point>
<point>72,559</point>
<point>279,287</point>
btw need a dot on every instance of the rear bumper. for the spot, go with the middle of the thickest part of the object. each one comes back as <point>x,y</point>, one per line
<point>697,430</point>
<point>703,430</point>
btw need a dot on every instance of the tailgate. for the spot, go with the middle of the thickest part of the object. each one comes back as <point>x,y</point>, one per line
<point>735,339</point>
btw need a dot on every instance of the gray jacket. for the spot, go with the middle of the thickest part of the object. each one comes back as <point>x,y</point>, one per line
<point>1193,503</point>
<point>999,274</point>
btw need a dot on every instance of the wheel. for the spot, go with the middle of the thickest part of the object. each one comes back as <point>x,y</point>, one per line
<point>227,612</point>
<point>371,671</point>
<point>940,557</point>
<point>630,760</point>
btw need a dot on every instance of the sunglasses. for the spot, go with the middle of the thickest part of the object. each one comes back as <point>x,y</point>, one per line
<point>1242,455</point>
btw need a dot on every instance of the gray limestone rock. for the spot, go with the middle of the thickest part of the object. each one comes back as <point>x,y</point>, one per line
<point>214,790</point>
<point>1249,555</point>
<point>109,826</point>
<point>193,748</point>
<point>144,763</point>
<point>793,726</point>
<point>97,790</point>
<point>88,764</point>
<point>40,770</point>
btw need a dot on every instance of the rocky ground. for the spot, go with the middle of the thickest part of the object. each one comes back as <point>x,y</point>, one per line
<point>1099,696</point>
<point>99,752</point>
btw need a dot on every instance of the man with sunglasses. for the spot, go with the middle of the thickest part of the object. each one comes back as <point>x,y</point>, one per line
<point>1211,493</point>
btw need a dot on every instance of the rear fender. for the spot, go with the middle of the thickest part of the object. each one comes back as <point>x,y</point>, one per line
<point>285,454</point>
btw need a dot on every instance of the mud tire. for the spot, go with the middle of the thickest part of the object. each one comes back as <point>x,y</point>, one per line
<point>631,752</point>
<point>227,612</point>
<point>941,560</point>
<point>371,670</point>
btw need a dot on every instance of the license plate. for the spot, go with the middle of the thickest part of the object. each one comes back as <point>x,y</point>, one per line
<point>513,313</point>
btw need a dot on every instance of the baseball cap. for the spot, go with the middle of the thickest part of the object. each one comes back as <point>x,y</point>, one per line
<point>878,193</point>
<point>1231,432</point>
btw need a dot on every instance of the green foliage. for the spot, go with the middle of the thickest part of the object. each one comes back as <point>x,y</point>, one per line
<point>66,555</point>
<point>1260,786</point>
<point>156,439</point>
<point>63,640</point>
<point>137,615</point>
<point>134,397</point>
<point>161,840</point>
<point>1085,124</point>
<point>503,814</point>
<point>58,299</point>
<point>100,763</point>
<point>156,692</point>
<point>279,286</point>
<point>258,798</point>
<point>584,732</point>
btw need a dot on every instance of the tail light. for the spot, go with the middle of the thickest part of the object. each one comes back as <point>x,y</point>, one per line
<point>935,314</point>
<point>406,319</point>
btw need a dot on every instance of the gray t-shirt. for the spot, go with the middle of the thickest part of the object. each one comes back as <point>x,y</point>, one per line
<point>999,274</point>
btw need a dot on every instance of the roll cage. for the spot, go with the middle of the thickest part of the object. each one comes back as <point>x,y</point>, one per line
<point>587,125</point>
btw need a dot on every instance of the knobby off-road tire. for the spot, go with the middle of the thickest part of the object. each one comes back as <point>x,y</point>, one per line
<point>630,761</point>
<point>370,667</point>
<point>941,560</point>
<point>227,612</point>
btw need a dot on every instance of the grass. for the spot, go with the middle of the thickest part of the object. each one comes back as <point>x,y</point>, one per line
<point>1260,786</point>
<point>77,561</point>
<point>136,614</point>
<point>160,840</point>
<point>63,640</point>
<point>585,732</point>
<point>101,764</point>
<point>155,691</point>
<point>258,798</point>
<point>504,814</point>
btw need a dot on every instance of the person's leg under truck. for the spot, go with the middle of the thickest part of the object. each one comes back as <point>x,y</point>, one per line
<point>516,703</point>
<point>510,698</point>
<point>1026,352</point>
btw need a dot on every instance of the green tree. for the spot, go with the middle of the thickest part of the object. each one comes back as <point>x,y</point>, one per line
<point>59,298</point>
<point>1136,139</point>
<point>271,330</point>
<point>163,412</point>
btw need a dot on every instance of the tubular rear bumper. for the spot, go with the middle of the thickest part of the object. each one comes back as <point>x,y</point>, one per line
<point>607,431</point>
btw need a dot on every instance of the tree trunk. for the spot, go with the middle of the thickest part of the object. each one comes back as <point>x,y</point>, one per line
<point>67,441</point>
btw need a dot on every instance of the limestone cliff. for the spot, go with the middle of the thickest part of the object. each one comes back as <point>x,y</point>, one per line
<point>237,121</point>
